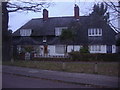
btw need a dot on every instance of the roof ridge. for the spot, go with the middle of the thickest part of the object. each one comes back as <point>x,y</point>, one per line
<point>59,17</point>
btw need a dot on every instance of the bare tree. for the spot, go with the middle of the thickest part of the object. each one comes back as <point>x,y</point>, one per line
<point>115,12</point>
<point>8,7</point>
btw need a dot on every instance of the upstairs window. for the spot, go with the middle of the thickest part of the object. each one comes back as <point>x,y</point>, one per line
<point>58,30</point>
<point>94,32</point>
<point>44,39</point>
<point>25,32</point>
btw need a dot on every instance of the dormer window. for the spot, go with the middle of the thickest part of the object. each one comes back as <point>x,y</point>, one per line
<point>25,32</point>
<point>58,30</point>
<point>94,32</point>
<point>44,39</point>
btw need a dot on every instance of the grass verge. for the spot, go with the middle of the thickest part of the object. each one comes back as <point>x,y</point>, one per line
<point>102,68</point>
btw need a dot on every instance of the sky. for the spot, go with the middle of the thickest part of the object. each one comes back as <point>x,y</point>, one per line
<point>57,9</point>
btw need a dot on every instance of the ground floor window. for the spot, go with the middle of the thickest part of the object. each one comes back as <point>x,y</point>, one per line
<point>60,49</point>
<point>95,47</point>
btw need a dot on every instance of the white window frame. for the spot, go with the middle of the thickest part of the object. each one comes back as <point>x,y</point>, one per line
<point>25,32</point>
<point>58,30</point>
<point>95,48</point>
<point>94,32</point>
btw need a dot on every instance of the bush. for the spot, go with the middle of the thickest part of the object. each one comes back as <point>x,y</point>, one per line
<point>77,56</point>
<point>84,50</point>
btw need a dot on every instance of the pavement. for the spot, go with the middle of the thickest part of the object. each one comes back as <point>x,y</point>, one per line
<point>77,78</point>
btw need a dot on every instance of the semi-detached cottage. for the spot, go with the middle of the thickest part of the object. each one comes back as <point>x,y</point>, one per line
<point>43,35</point>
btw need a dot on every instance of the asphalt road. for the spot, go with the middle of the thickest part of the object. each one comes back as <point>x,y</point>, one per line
<point>13,81</point>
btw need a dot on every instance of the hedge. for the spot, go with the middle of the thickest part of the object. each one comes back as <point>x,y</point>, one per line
<point>51,59</point>
<point>77,56</point>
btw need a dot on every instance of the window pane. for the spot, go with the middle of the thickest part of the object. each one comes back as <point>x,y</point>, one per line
<point>95,31</point>
<point>93,48</point>
<point>99,48</point>
<point>92,30</point>
<point>60,49</point>
<point>25,32</point>
<point>99,31</point>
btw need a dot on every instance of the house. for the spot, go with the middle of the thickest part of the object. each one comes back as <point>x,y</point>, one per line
<point>117,42</point>
<point>43,35</point>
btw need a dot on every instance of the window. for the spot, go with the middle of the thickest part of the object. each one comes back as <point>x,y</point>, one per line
<point>95,32</point>
<point>58,30</point>
<point>25,32</point>
<point>95,47</point>
<point>60,49</point>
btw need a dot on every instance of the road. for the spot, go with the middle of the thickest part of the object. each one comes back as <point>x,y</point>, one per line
<point>14,81</point>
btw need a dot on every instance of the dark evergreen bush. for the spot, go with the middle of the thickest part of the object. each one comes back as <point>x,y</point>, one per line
<point>77,56</point>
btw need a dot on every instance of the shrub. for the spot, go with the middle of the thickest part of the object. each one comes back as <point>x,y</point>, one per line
<point>50,59</point>
<point>84,50</point>
<point>77,56</point>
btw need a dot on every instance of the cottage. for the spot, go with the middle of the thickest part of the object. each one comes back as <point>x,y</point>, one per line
<point>41,36</point>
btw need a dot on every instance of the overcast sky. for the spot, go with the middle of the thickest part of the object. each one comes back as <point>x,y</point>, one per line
<point>58,9</point>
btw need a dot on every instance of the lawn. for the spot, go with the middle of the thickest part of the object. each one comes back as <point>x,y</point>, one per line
<point>102,68</point>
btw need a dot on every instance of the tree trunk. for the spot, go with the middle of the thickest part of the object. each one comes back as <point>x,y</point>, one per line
<point>5,33</point>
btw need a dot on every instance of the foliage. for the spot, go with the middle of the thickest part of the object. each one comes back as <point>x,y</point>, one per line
<point>101,10</point>
<point>77,56</point>
<point>8,7</point>
<point>27,6</point>
<point>84,50</point>
<point>28,49</point>
<point>114,11</point>
<point>67,35</point>
<point>118,42</point>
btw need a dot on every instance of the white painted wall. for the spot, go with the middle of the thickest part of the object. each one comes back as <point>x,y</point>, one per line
<point>103,49</point>
<point>52,52</point>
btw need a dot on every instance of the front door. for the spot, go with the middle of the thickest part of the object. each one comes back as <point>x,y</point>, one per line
<point>109,49</point>
<point>45,50</point>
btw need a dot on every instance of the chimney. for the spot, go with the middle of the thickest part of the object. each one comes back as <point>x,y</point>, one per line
<point>45,14</point>
<point>76,12</point>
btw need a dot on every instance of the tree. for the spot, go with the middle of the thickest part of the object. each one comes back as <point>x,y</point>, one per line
<point>100,11</point>
<point>8,7</point>
<point>67,37</point>
<point>115,11</point>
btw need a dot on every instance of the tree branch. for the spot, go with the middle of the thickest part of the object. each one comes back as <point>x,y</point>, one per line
<point>27,6</point>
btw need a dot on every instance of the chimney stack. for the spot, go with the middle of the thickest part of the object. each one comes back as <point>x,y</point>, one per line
<point>45,14</point>
<point>76,12</point>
